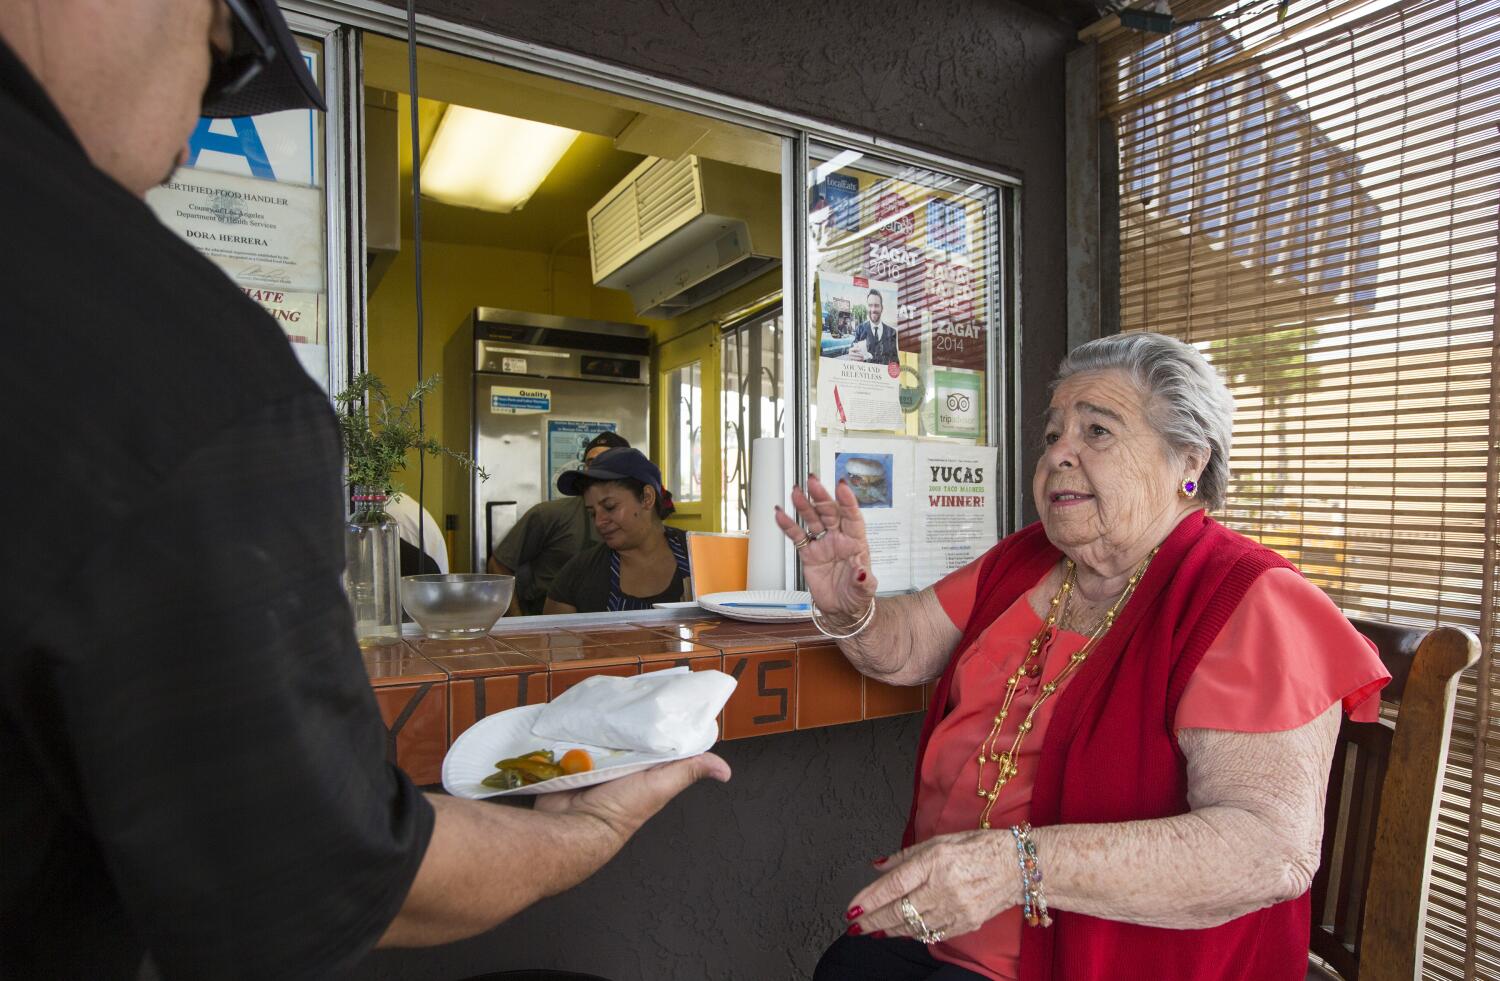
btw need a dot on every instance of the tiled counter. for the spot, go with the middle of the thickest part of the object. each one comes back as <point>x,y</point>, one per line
<point>790,677</point>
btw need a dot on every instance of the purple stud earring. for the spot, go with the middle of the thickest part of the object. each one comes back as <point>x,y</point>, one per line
<point>1188,488</point>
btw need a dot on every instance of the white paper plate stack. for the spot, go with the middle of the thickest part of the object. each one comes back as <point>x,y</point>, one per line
<point>760,605</point>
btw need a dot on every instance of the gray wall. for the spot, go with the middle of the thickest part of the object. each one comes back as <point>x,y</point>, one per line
<point>748,881</point>
<point>977,79</point>
<point>745,881</point>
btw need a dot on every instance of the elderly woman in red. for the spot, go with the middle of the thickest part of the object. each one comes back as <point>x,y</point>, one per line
<point>1123,768</point>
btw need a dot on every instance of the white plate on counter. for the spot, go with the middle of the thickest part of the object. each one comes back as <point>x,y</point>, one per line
<point>504,735</point>
<point>778,605</point>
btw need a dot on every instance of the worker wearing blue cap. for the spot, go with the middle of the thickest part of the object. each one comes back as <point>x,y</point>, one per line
<point>640,561</point>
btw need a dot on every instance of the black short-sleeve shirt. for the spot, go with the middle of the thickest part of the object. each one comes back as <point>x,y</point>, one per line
<point>191,757</point>
<point>587,581</point>
<point>537,547</point>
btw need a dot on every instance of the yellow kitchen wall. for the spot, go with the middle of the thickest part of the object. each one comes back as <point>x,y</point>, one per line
<point>694,336</point>
<point>455,280</point>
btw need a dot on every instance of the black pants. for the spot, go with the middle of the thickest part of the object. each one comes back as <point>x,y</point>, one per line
<point>886,959</point>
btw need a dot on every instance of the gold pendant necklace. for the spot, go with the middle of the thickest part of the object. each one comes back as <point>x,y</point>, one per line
<point>1007,761</point>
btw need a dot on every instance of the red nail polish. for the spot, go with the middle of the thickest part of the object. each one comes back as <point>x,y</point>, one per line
<point>878,935</point>
<point>881,860</point>
<point>855,912</point>
<point>861,577</point>
<point>854,930</point>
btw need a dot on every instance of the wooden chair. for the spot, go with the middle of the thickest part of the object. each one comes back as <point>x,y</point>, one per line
<point>1369,898</point>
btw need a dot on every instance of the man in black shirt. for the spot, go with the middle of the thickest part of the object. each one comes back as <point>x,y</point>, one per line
<point>191,760</point>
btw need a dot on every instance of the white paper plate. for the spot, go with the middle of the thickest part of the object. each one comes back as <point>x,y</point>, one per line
<point>473,756</point>
<point>714,603</point>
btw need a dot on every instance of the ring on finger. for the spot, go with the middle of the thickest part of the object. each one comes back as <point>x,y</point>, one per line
<point>806,541</point>
<point>917,925</point>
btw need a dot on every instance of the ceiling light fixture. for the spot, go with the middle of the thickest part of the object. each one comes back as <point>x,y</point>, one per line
<point>488,161</point>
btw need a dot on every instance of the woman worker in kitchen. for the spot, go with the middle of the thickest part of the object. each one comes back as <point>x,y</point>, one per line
<point>1123,767</point>
<point>639,561</point>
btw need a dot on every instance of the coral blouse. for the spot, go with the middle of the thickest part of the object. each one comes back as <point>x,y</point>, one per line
<point>1261,674</point>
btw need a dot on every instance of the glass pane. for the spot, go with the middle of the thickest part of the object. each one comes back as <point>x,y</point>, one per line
<point>251,198</point>
<point>685,431</point>
<point>903,266</point>
<point>753,405</point>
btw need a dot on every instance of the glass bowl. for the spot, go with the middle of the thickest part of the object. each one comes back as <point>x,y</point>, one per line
<point>458,605</point>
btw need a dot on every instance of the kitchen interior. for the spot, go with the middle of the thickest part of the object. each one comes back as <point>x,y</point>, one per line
<point>588,259</point>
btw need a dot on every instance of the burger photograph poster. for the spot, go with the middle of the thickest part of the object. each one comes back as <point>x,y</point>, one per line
<point>879,472</point>
<point>868,475</point>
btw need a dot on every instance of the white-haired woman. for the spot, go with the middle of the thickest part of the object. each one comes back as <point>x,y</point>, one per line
<point>1129,740</point>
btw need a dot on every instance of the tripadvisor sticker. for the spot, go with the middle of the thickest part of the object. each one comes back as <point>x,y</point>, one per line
<point>956,395</point>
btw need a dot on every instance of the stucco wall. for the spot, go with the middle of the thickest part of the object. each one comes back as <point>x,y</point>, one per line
<point>739,882</point>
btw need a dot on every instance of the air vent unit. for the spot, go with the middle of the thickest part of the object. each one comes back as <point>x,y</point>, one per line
<point>678,233</point>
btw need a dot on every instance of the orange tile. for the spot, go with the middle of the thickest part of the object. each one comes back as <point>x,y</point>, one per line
<point>791,631</point>
<point>679,621</point>
<point>725,637</point>
<point>711,661</point>
<point>428,647</point>
<point>612,635</point>
<point>399,664</point>
<point>667,649</point>
<point>487,662</point>
<point>882,700</point>
<point>681,631</point>
<point>574,657</point>
<point>532,642</point>
<point>416,721</point>
<point>829,690</point>
<point>473,698</point>
<point>561,681</point>
<point>765,700</point>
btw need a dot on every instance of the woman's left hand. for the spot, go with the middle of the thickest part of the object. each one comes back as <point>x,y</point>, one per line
<point>955,882</point>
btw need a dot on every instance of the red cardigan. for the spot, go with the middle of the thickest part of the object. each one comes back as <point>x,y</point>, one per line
<point>1109,753</point>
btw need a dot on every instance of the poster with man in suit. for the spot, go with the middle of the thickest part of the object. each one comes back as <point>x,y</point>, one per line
<point>877,337</point>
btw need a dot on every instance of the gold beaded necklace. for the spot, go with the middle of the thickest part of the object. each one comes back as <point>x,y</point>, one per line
<point>1007,760</point>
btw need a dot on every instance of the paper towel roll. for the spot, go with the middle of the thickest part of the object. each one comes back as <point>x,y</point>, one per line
<point>768,488</point>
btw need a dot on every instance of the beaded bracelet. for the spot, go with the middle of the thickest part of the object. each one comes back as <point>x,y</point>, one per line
<point>865,619</point>
<point>1033,899</point>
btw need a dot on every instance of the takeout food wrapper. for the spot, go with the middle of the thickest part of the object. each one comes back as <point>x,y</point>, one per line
<point>667,712</point>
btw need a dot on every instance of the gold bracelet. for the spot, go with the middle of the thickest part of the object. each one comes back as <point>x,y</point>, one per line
<point>865,619</point>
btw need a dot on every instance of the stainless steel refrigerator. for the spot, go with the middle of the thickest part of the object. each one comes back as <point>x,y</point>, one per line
<point>534,389</point>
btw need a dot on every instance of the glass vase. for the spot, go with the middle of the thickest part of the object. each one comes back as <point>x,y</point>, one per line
<point>372,570</point>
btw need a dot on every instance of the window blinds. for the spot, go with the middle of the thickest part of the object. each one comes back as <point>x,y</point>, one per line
<point>1309,193</point>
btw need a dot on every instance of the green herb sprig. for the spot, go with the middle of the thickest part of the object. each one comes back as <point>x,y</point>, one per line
<point>379,431</point>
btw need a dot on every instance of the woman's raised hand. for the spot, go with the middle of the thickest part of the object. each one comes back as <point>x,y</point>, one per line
<point>836,558</point>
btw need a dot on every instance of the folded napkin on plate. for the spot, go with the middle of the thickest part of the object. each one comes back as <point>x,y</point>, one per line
<point>666,712</point>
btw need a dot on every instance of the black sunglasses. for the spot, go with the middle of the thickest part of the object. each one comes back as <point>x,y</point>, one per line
<point>252,50</point>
